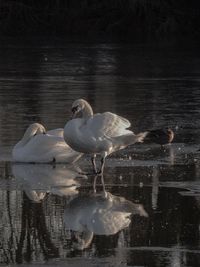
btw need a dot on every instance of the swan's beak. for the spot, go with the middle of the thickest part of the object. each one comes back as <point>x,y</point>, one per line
<point>75,110</point>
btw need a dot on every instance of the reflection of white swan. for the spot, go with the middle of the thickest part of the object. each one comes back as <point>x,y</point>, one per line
<point>36,179</point>
<point>98,134</point>
<point>35,196</point>
<point>37,145</point>
<point>95,214</point>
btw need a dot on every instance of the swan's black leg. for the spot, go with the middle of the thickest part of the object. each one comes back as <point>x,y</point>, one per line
<point>94,163</point>
<point>102,182</point>
<point>100,172</point>
<point>102,165</point>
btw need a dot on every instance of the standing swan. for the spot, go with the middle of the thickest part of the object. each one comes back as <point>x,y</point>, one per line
<point>101,133</point>
<point>40,146</point>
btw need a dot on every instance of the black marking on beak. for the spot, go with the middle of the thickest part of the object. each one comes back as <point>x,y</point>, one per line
<point>74,109</point>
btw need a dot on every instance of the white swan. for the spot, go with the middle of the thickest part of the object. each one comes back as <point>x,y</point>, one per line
<point>37,145</point>
<point>98,134</point>
<point>95,214</point>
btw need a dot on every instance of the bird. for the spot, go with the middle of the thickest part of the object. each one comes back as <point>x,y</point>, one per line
<point>40,146</point>
<point>37,180</point>
<point>160,136</point>
<point>93,214</point>
<point>101,133</point>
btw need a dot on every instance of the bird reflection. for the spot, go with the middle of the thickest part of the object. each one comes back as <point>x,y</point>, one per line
<point>39,179</point>
<point>36,181</point>
<point>102,182</point>
<point>96,214</point>
<point>34,195</point>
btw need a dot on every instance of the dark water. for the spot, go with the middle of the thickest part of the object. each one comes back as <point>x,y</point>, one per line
<point>49,214</point>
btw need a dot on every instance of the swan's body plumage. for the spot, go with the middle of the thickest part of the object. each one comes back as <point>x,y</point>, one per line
<point>101,133</point>
<point>37,145</point>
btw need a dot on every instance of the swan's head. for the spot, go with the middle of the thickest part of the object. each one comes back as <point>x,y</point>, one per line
<point>78,106</point>
<point>81,106</point>
<point>34,129</point>
<point>31,131</point>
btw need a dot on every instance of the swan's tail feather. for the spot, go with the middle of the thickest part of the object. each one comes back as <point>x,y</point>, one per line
<point>140,137</point>
<point>139,209</point>
<point>121,142</point>
<point>134,138</point>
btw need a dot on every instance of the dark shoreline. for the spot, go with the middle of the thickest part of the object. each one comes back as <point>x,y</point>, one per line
<point>107,21</point>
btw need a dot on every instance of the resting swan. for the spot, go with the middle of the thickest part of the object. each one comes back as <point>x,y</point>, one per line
<point>39,146</point>
<point>98,133</point>
<point>160,136</point>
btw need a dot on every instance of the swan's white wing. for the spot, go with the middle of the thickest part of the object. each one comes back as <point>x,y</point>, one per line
<point>45,148</point>
<point>42,144</point>
<point>108,124</point>
<point>56,132</point>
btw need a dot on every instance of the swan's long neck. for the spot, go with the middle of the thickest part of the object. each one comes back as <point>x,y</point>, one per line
<point>87,111</point>
<point>25,139</point>
<point>33,129</point>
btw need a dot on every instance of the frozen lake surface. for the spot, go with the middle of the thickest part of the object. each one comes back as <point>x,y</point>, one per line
<point>151,217</point>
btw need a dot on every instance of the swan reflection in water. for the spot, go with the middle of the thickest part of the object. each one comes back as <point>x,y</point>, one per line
<point>39,179</point>
<point>96,214</point>
<point>33,233</point>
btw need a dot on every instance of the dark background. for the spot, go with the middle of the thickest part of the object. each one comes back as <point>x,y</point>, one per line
<point>132,20</point>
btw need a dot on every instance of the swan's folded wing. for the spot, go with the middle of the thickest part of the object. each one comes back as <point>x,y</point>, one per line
<point>108,124</point>
<point>41,148</point>
<point>56,132</point>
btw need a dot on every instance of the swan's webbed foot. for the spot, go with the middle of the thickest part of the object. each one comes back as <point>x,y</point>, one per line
<point>104,194</point>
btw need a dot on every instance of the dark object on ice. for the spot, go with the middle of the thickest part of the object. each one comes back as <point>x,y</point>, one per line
<point>160,136</point>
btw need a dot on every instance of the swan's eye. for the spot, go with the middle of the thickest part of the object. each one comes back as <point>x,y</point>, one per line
<point>75,109</point>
